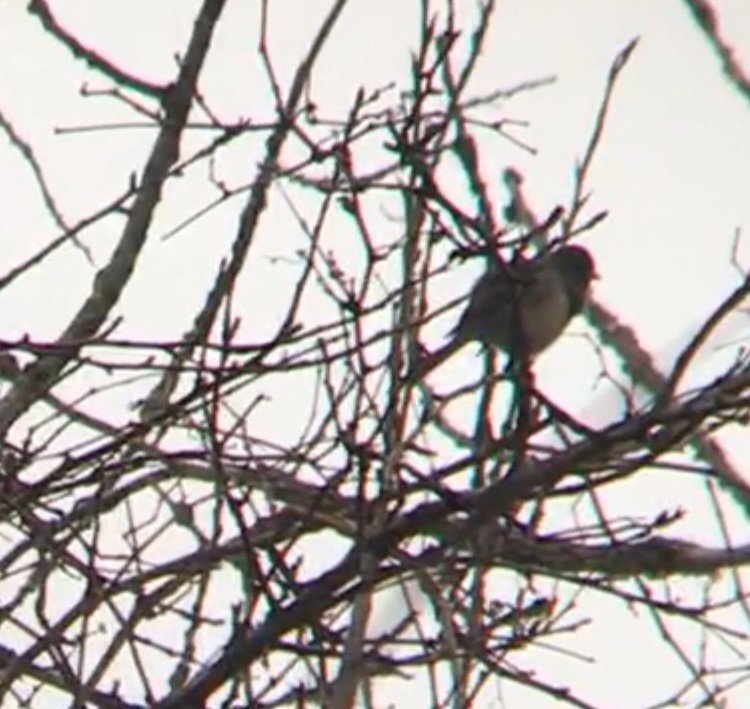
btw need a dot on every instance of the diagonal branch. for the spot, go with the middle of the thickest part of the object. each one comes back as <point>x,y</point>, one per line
<point>111,280</point>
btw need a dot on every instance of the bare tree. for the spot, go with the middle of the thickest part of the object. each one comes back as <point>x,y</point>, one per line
<point>171,540</point>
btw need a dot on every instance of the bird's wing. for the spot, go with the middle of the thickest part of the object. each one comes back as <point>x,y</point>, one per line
<point>492,302</point>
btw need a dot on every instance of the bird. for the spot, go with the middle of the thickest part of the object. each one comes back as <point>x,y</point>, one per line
<point>522,308</point>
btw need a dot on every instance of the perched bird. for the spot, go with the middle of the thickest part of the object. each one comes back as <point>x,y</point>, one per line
<point>523,308</point>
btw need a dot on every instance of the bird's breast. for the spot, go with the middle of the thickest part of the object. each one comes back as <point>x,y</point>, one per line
<point>543,312</point>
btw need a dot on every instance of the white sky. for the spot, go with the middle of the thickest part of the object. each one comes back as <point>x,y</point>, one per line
<point>674,175</point>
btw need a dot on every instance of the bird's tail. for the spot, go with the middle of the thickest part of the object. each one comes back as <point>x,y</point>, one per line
<point>433,360</point>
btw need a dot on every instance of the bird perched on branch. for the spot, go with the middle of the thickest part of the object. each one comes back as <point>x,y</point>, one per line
<point>521,309</point>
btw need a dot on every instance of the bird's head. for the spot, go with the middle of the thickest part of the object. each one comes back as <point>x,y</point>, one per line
<point>577,269</point>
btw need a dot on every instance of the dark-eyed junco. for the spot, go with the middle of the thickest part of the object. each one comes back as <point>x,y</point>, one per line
<point>523,308</point>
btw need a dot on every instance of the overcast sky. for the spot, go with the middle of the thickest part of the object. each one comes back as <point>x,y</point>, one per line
<point>673,175</point>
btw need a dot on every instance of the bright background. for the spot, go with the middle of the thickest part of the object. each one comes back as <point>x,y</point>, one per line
<point>673,173</point>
